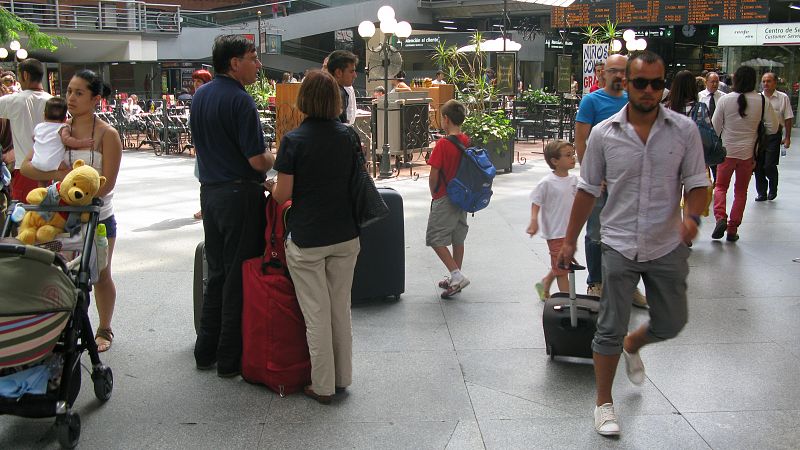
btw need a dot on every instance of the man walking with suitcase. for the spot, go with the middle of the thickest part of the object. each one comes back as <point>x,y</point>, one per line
<point>232,163</point>
<point>646,154</point>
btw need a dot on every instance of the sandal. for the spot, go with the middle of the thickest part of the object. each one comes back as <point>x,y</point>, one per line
<point>106,337</point>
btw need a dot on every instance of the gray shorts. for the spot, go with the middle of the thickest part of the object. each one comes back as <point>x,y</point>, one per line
<point>447,224</point>
<point>665,284</point>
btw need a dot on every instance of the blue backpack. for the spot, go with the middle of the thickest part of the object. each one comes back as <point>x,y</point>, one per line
<point>713,151</point>
<point>471,188</point>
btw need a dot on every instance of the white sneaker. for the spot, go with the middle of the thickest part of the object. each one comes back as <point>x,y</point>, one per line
<point>455,287</point>
<point>634,367</point>
<point>639,300</point>
<point>595,289</point>
<point>605,420</point>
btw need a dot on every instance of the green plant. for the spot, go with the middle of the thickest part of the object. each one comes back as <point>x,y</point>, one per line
<point>12,25</point>
<point>591,34</point>
<point>489,126</point>
<point>467,70</point>
<point>261,91</point>
<point>609,31</point>
<point>539,97</point>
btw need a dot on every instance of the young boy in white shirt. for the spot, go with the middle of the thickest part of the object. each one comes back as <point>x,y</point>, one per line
<point>552,199</point>
<point>51,136</point>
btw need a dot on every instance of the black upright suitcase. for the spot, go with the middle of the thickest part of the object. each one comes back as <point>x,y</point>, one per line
<point>200,282</point>
<point>570,321</point>
<point>381,267</point>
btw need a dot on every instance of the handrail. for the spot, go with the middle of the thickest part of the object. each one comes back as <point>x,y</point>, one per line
<point>117,15</point>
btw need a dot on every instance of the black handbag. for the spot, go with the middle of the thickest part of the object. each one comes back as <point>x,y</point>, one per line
<point>368,205</point>
<point>762,137</point>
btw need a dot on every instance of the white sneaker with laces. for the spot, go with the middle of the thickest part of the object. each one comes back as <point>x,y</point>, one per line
<point>605,420</point>
<point>634,367</point>
<point>455,287</point>
<point>595,289</point>
<point>639,300</point>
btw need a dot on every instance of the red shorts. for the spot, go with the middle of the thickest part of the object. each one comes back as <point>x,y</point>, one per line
<point>555,247</point>
<point>21,186</point>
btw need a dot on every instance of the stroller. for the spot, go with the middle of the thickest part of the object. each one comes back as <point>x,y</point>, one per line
<point>45,328</point>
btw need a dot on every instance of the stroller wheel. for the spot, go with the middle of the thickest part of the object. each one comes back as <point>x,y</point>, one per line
<point>103,379</point>
<point>68,428</point>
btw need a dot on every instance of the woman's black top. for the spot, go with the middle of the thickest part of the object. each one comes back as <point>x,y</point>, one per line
<point>319,153</point>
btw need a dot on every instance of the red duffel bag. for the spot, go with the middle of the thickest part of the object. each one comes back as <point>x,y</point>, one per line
<point>274,346</point>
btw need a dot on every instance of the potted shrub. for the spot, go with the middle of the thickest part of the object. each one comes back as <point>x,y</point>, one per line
<point>487,128</point>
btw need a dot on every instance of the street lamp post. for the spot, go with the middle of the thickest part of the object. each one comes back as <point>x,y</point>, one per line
<point>389,26</point>
<point>258,51</point>
<point>19,53</point>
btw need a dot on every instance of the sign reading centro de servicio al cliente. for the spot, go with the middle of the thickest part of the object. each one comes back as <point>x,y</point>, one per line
<point>429,41</point>
<point>760,34</point>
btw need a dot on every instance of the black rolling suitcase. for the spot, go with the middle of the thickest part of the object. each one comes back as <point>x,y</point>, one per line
<point>381,267</point>
<point>200,282</point>
<point>570,321</point>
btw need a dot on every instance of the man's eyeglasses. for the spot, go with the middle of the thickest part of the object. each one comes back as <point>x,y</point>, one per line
<point>657,84</point>
<point>613,70</point>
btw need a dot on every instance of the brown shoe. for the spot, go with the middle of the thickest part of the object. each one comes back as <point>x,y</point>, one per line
<point>323,399</point>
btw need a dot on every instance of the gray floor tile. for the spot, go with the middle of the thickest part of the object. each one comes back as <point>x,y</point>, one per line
<point>652,432</point>
<point>512,384</point>
<point>466,436</point>
<point>724,377</point>
<point>400,327</point>
<point>359,435</point>
<point>748,429</point>
<point>494,325</point>
<point>740,320</point>
<point>388,387</point>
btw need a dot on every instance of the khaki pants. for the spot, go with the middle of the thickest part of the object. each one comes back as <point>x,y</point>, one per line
<point>323,278</point>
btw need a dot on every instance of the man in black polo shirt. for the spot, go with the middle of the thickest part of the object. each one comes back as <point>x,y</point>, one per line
<point>232,163</point>
<point>342,65</point>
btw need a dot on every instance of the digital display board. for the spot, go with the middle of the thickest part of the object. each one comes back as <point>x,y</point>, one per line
<point>661,12</point>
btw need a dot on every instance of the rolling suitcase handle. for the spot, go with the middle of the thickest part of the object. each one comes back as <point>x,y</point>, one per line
<point>573,310</point>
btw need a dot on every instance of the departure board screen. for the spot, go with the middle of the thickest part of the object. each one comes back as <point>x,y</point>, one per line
<point>661,12</point>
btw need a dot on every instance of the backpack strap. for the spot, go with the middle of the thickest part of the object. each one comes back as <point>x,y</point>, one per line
<point>457,142</point>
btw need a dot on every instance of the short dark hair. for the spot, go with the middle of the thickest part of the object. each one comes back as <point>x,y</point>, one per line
<point>55,109</point>
<point>770,73</point>
<point>646,57</point>
<point>319,96</point>
<point>439,72</point>
<point>400,76</point>
<point>33,68</point>
<point>340,59</point>
<point>379,89</point>
<point>553,151</point>
<point>455,111</point>
<point>229,46</point>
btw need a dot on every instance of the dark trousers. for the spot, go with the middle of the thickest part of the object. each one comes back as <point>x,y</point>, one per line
<point>234,221</point>
<point>767,166</point>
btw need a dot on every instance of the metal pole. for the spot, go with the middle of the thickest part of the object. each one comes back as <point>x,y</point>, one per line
<point>258,52</point>
<point>386,171</point>
<point>505,14</point>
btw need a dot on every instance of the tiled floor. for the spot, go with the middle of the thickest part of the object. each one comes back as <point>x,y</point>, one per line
<point>466,373</point>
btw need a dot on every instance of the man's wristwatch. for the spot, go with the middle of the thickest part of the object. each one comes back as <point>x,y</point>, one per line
<point>696,218</point>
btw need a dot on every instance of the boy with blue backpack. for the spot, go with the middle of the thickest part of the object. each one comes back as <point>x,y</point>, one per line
<point>447,223</point>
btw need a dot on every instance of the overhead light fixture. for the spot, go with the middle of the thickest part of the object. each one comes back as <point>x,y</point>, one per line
<point>445,21</point>
<point>794,6</point>
<point>450,28</point>
<point>497,25</point>
<point>559,3</point>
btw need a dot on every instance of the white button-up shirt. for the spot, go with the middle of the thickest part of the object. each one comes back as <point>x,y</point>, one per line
<point>705,97</point>
<point>642,217</point>
<point>781,105</point>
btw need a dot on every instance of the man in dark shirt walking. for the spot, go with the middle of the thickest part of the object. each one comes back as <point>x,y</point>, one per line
<point>342,65</point>
<point>232,163</point>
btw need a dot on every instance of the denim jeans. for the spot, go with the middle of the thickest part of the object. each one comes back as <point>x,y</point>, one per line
<point>594,254</point>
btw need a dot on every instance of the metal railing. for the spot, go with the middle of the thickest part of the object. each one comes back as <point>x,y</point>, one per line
<point>102,15</point>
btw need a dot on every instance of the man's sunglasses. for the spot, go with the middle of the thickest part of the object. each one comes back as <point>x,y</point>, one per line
<point>658,84</point>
